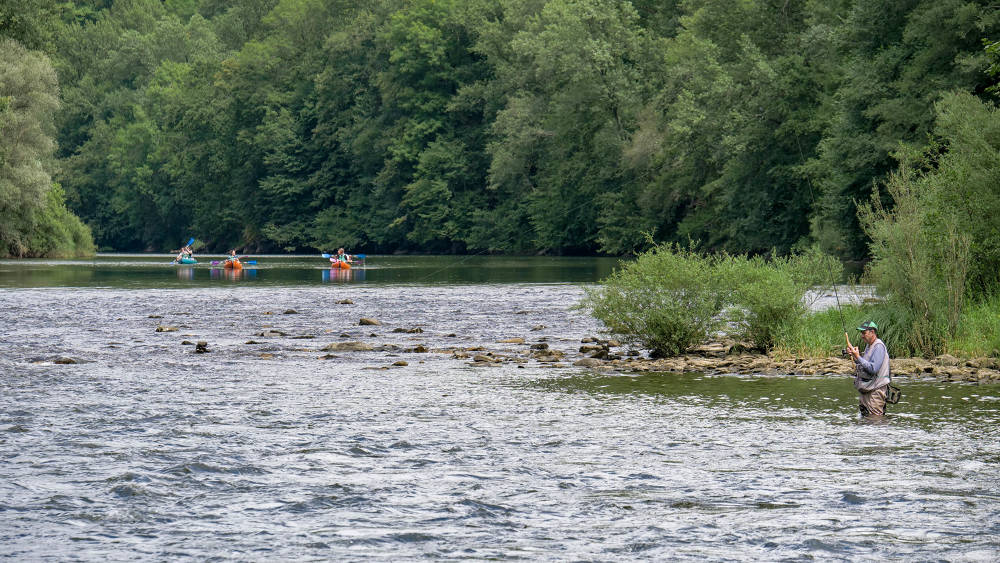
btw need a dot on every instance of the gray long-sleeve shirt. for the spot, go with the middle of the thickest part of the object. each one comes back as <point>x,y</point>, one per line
<point>872,368</point>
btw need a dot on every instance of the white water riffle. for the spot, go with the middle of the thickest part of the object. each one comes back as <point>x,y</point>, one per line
<point>264,451</point>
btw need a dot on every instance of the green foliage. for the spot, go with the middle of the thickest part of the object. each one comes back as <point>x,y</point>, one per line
<point>817,335</point>
<point>922,274</point>
<point>965,179</point>
<point>666,301</point>
<point>33,217</point>
<point>766,294</point>
<point>940,238</point>
<point>670,299</point>
<point>31,23</point>
<point>820,334</point>
<point>559,126</point>
<point>896,62</point>
<point>573,72</point>
<point>978,331</point>
<point>55,232</point>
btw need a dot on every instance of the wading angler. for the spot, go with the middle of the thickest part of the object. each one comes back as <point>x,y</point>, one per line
<point>871,371</point>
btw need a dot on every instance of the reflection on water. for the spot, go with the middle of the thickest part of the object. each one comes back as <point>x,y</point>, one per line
<point>342,275</point>
<point>155,271</point>
<point>233,274</point>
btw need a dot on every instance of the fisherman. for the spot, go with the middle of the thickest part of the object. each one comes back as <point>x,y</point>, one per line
<point>872,377</point>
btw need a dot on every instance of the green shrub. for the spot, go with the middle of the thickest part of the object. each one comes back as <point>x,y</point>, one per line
<point>765,297</point>
<point>920,259</point>
<point>670,299</point>
<point>665,301</point>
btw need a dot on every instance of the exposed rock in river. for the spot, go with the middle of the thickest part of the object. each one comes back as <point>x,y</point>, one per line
<point>348,347</point>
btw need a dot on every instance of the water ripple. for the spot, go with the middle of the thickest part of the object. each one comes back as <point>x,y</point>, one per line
<point>147,450</point>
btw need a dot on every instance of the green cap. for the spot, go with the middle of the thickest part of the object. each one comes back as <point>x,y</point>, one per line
<point>868,325</point>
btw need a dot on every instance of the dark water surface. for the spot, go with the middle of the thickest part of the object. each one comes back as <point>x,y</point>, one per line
<point>156,271</point>
<point>263,450</point>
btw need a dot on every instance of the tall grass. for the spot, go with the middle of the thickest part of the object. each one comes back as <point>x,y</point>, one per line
<point>979,330</point>
<point>817,335</point>
<point>821,334</point>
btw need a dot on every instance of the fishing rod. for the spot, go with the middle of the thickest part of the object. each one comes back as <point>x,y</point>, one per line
<point>840,311</point>
<point>833,282</point>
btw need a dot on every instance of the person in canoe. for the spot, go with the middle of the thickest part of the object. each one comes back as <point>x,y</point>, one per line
<point>232,261</point>
<point>341,259</point>
<point>185,254</point>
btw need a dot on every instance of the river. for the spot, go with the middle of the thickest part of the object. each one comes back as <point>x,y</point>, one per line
<point>268,447</point>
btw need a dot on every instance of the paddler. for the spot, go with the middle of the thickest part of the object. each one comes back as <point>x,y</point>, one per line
<point>871,371</point>
<point>185,252</point>
<point>341,257</point>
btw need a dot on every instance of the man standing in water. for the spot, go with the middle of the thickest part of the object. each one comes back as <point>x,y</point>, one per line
<point>871,377</point>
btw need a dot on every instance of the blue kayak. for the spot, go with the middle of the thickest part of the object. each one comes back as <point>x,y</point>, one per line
<point>185,261</point>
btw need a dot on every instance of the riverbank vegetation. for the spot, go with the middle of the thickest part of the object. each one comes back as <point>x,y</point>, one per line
<point>934,244</point>
<point>34,220</point>
<point>671,299</point>
<point>757,129</point>
<point>509,126</point>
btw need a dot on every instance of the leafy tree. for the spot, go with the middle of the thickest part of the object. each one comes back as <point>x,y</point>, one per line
<point>493,125</point>
<point>898,56</point>
<point>33,218</point>
<point>939,243</point>
<point>573,80</point>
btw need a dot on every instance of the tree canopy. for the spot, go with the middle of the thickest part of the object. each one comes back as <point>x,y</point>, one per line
<point>512,126</point>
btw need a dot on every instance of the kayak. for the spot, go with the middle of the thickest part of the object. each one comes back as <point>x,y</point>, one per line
<point>335,264</point>
<point>186,261</point>
<point>232,265</point>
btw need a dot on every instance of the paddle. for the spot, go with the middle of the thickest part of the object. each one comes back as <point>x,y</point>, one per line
<point>354,256</point>
<point>254,262</point>
<point>190,242</point>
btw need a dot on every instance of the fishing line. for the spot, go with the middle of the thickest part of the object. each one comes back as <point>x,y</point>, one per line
<point>836,294</point>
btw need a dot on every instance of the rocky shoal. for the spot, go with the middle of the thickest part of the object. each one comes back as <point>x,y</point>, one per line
<point>606,354</point>
<point>714,359</point>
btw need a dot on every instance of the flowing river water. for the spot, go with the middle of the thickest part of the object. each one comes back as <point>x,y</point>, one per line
<point>268,447</point>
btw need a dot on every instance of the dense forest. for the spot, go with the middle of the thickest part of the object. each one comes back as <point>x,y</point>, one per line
<point>513,126</point>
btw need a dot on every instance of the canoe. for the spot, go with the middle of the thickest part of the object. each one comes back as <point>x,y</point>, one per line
<point>233,265</point>
<point>335,264</point>
<point>186,261</point>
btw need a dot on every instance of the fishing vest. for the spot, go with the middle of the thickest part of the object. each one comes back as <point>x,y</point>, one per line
<point>864,381</point>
